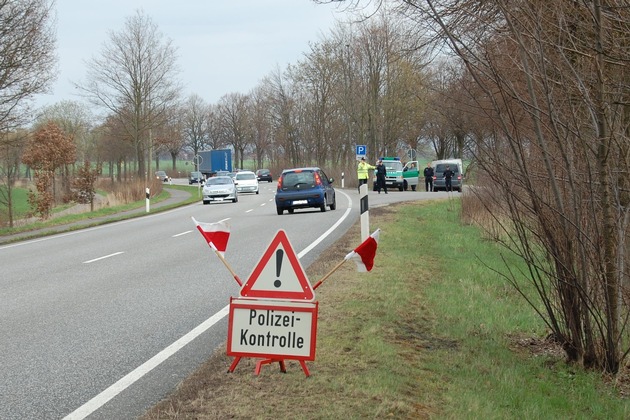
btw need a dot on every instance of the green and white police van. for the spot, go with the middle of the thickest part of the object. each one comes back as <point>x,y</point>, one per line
<point>398,175</point>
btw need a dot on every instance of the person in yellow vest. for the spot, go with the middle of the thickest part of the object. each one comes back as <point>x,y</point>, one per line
<point>362,172</point>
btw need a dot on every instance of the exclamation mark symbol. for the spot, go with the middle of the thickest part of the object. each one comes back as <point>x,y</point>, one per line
<point>279,257</point>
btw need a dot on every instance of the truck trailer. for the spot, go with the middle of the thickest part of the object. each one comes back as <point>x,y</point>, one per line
<point>213,161</point>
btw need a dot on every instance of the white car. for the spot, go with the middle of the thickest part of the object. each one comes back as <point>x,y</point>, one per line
<point>246,181</point>
<point>219,188</point>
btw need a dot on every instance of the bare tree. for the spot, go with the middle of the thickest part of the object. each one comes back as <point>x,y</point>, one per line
<point>27,48</point>
<point>316,78</point>
<point>196,124</point>
<point>235,123</point>
<point>170,137</point>
<point>284,111</point>
<point>552,79</point>
<point>262,130</point>
<point>114,147</point>
<point>216,139</point>
<point>552,136</point>
<point>134,78</point>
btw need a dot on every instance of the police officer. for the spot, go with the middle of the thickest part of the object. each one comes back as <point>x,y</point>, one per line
<point>428,177</point>
<point>381,173</point>
<point>448,174</point>
<point>362,172</point>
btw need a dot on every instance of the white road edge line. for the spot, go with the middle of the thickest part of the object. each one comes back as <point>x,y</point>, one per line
<point>181,234</point>
<point>103,257</point>
<point>126,381</point>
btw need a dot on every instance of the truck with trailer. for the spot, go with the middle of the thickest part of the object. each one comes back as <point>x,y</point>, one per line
<point>213,161</point>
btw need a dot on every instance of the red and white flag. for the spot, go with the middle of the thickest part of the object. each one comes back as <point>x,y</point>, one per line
<point>216,234</point>
<point>364,254</point>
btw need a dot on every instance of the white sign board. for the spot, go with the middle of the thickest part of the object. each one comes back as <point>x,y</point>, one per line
<point>266,328</point>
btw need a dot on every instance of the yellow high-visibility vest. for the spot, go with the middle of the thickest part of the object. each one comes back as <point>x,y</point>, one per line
<point>362,170</point>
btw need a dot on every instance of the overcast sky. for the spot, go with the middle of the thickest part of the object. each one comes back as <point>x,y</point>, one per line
<point>223,46</point>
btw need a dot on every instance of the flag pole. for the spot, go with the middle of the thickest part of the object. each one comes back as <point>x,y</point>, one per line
<point>238,280</point>
<point>335,268</point>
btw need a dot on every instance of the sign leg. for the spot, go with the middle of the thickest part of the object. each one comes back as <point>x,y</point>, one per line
<point>234,363</point>
<point>283,368</point>
<point>304,368</point>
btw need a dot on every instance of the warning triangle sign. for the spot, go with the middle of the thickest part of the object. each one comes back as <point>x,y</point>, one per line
<point>278,274</point>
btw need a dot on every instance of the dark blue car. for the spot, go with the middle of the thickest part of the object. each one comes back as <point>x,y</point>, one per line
<point>304,188</point>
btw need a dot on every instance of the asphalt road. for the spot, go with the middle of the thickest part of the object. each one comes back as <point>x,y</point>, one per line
<point>106,321</point>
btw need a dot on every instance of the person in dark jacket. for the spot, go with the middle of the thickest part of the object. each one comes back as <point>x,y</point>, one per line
<point>381,173</point>
<point>428,177</point>
<point>448,174</point>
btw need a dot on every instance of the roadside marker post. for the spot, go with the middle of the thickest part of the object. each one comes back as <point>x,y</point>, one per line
<point>148,196</point>
<point>365,212</point>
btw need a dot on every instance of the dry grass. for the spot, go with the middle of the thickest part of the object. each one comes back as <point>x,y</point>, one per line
<point>120,193</point>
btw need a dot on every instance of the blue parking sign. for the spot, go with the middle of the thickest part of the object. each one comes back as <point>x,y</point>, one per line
<point>361,149</point>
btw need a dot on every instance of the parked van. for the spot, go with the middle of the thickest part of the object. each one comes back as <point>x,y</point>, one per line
<point>439,166</point>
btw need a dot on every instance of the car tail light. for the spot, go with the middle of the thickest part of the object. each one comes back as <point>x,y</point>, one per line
<point>280,183</point>
<point>318,181</point>
<point>459,177</point>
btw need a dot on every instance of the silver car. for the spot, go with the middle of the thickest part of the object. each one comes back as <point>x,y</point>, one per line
<point>219,188</point>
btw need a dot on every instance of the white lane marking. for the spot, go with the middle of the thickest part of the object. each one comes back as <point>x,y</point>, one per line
<point>262,204</point>
<point>103,257</point>
<point>129,379</point>
<point>180,234</point>
<point>329,231</point>
<point>247,211</point>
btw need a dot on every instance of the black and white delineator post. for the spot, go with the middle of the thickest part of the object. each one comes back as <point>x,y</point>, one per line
<point>148,196</point>
<point>365,213</point>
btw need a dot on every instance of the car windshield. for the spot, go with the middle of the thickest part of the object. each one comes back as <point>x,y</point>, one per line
<point>241,177</point>
<point>263,172</point>
<point>219,180</point>
<point>195,174</point>
<point>392,165</point>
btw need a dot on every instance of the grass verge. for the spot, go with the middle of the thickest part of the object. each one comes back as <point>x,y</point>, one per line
<point>114,213</point>
<point>431,332</point>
